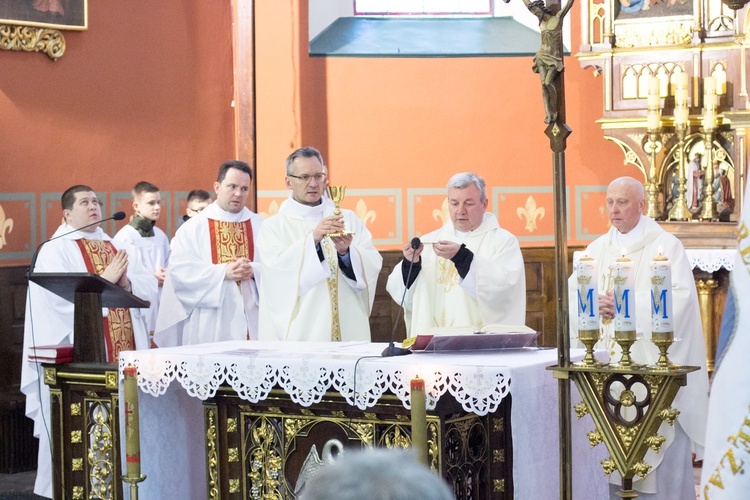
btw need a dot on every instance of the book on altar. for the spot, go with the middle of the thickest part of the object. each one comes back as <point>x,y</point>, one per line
<point>56,353</point>
<point>468,338</point>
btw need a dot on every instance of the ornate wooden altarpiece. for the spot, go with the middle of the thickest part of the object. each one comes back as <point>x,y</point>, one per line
<point>627,42</point>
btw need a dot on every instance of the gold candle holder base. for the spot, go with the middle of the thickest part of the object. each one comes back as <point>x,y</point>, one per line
<point>663,340</point>
<point>625,340</point>
<point>133,482</point>
<point>588,338</point>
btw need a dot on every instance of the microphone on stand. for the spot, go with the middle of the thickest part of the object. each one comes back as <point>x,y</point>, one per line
<point>392,350</point>
<point>115,216</point>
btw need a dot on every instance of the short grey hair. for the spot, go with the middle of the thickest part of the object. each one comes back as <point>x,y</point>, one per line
<point>305,152</point>
<point>378,474</point>
<point>464,179</point>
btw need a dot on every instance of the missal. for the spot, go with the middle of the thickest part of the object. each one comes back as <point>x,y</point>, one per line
<point>57,353</point>
<point>488,337</point>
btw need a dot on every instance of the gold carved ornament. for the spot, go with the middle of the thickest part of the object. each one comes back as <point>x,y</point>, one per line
<point>29,39</point>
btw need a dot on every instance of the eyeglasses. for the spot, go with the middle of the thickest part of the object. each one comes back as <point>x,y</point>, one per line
<point>306,178</point>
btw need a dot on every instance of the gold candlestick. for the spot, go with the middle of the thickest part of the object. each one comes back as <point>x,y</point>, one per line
<point>337,196</point>
<point>653,146</point>
<point>679,210</point>
<point>663,340</point>
<point>588,338</point>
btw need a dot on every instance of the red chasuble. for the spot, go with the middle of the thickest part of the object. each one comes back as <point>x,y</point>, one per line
<point>118,326</point>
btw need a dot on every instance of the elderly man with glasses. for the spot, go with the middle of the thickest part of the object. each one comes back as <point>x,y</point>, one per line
<point>318,284</point>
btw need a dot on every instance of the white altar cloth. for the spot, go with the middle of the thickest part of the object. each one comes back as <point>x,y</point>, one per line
<point>711,259</point>
<point>171,419</point>
<point>705,259</point>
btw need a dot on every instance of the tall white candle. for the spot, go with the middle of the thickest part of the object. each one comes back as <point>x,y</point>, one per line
<point>653,102</point>
<point>661,294</point>
<point>709,103</point>
<point>588,294</point>
<point>624,294</point>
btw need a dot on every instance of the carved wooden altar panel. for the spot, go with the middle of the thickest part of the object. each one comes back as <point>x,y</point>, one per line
<point>84,431</point>
<point>258,450</point>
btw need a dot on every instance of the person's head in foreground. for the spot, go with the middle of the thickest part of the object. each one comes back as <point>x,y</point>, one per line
<point>376,475</point>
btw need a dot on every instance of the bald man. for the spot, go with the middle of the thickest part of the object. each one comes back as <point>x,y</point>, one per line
<point>641,238</point>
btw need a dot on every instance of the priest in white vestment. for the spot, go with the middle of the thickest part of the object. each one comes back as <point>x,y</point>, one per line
<point>150,242</point>
<point>210,293</point>
<point>642,239</point>
<point>49,318</point>
<point>316,286</point>
<point>469,273</point>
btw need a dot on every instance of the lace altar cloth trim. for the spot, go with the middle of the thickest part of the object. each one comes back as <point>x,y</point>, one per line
<point>306,370</point>
<point>705,259</point>
<point>711,259</point>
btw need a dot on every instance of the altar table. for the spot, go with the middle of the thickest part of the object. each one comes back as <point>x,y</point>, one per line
<point>173,415</point>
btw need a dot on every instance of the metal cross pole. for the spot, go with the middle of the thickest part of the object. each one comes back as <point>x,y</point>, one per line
<point>548,63</point>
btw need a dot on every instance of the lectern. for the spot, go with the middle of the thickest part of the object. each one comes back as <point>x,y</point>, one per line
<point>88,292</point>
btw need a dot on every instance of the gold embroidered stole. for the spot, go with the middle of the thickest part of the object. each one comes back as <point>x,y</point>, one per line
<point>230,241</point>
<point>118,325</point>
<point>333,287</point>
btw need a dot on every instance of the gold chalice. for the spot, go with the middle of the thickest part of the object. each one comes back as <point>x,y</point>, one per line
<point>336,194</point>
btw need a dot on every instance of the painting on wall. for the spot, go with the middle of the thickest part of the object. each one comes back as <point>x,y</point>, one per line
<point>56,14</point>
<point>641,9</point>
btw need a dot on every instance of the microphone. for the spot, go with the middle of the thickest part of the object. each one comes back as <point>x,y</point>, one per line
<point>392,350</point>
<point>115,216</point>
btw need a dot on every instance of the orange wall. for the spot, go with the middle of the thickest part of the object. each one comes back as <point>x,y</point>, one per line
<point>144,94</point>
<point>146,91</point>
<point>390,125</point>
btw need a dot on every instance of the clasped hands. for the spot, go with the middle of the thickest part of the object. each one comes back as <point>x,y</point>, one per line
<point>607,306</point>
<point>331,225</point>
<point>239,270</point>
<point>117,270</point>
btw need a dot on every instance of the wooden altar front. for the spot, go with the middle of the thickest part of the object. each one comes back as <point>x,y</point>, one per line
<point>258,450</point>
<point>84,428</point>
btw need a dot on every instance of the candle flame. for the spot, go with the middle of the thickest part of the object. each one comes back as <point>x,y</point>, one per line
<point>659,249</point>
<point>623,253</point>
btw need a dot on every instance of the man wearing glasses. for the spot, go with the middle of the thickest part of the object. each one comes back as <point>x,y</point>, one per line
<point>197,200</point>
<point>317,285</point>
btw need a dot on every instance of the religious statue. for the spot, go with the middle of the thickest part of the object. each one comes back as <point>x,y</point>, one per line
<point>722,192</point>
<point>548,61</point>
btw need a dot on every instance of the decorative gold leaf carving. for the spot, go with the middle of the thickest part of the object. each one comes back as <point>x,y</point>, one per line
<point>234,486</point>
<point>29,39</point>
<point>498,485</point>
<point>608,466</point>
<point>231,425</point>
<point>581,409</point>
